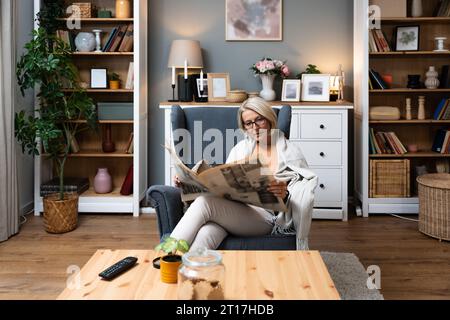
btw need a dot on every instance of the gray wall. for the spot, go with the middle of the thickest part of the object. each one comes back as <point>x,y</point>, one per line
<point>315,31</point>
<point>25,163</point>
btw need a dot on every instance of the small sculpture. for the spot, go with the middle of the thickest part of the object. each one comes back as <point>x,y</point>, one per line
<point>341,76</point>
<point>432,81</point>
<point>421,113</point>
<point>408,109</point>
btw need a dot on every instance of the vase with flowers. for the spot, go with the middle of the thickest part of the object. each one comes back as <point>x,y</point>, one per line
<point>268,69</point>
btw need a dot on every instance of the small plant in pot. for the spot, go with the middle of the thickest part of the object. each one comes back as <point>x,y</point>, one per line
<point>311,69</point>
<point>49,130</point>
<point>170,263</point>
<point>114,81</point>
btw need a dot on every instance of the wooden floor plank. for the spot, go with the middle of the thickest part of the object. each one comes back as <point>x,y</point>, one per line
<point>33,264</point>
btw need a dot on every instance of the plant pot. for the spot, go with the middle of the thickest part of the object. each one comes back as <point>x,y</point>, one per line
<point>60,216</point>
<point>169,268</point>
<point>114,84</point>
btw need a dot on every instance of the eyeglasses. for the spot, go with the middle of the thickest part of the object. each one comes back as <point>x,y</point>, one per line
<point>260,122</point>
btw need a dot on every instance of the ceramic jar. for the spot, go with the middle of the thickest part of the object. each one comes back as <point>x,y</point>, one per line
<point>267,93</point>
<point>85,42</point>
<point>103,181</point>
<point>417,8</point>
<point>123,9</point>
<point>432,81</point>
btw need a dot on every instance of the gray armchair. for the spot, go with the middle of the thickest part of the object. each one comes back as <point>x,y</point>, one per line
<point>167,200</point>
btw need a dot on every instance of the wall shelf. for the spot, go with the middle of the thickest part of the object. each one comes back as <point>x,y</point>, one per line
<point>428,154</point>
<point>102,54</point>
<point>99,20</point>
<point>410,122</point>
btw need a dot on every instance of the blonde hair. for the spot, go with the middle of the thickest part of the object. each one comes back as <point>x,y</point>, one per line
<point>259,106</point>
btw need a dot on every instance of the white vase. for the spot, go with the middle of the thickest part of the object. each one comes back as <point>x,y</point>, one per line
<point>267,93</point>
<point>85,42</point>
<point>432,81</point>
<point>417,8</point>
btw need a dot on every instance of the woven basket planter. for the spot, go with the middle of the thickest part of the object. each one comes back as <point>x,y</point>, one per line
<point>60,216</point>
<point>434,198</point>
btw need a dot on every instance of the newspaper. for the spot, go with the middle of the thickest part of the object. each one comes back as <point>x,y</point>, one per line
<point>242,182</point>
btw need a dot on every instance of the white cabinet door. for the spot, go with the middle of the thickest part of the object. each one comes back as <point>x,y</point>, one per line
<point>319,153</point>
<point>330,185</point>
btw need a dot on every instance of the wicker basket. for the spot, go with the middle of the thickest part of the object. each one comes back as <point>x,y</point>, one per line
<point>60,216</point>
<point>237,96</point>
<point>86,9</point>
<point>390,179</point>
<point>434,199</point>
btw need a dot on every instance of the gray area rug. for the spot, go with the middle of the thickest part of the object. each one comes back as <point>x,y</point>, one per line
<point>349,276</point>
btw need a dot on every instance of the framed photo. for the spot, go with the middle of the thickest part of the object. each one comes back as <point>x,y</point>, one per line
<point>291,90</point>
<point>316,87</point>
<point>218,86</point>
<point>99,79</point>
<point>407,38</point>
<point>255,20</point>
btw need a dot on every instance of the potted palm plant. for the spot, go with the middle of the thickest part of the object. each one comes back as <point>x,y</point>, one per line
<point>49,131</point>
<point>170,263</point>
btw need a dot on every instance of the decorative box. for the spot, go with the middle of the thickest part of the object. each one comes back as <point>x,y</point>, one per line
<point>86,9</point>
<point>384,113</point>
<point>115,110</point>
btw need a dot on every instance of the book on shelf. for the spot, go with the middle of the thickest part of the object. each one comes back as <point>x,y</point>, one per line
<point>378,42</point>
<point>127,185</point>
<point>118,38</point>
<point>78,185</point>
<point>67,37</point>
<point>128,40</point>
<point>440,138</point>
<point>129,147</point>
<point>110,39</point>
<point>130,77</point>
<point>385,143</point>
<point>442,111</point>
<point>444,77</point>
<point>443,9</point>
<point>377,80</point>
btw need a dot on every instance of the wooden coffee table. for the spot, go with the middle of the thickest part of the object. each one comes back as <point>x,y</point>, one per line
<point>250,275</point>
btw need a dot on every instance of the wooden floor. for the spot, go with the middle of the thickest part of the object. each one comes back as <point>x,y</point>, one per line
<point>33,264</point>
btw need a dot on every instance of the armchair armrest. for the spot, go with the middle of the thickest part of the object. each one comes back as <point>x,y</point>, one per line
<point>169,207</point>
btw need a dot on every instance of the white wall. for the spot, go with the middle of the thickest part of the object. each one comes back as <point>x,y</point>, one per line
<point>25,164</point>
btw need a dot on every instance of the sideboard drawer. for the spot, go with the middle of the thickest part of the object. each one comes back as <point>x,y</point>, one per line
<point>319,153</point>
<point>330,185</point>
<point>320,126</point>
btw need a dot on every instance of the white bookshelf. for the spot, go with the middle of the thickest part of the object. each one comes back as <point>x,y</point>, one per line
<point>113,202</point>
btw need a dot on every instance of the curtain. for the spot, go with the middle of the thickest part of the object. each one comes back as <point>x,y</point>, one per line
<point>9,204</point>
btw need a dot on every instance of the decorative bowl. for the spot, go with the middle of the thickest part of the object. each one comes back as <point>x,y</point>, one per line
<point>236,96</point>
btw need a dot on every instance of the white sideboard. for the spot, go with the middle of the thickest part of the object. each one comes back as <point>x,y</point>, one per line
<point>321,130</point>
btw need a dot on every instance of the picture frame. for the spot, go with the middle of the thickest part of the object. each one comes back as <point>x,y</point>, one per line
<point>205,88</point>
<point>218,86</point>
<point>99,78</point>
<point>291,90</point>
<point>316,87</point>
<point>407,38</point>
<point>262,22</point>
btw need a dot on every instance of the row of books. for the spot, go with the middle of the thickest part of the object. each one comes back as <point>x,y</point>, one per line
<point>385,143</point>
<point>376,81</point>
<point>443,9</point>
<point>378,42</point>
<point>80,185</point>
<point>442,142</point>
<point>442,112</point>
<point>130,145</point>
<point>120,39</point>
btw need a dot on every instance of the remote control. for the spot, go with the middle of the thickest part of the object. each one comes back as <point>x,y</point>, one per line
<point>118,268</point>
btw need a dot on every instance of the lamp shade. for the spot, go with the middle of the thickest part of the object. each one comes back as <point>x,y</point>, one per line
<point>182,50</point>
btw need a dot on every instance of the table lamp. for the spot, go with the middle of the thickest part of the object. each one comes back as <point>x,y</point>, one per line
<point>186,54</point>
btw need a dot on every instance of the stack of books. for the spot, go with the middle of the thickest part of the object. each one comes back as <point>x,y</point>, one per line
<point>120,39</point>
<point>442,141</point>
<point>443,110</point>
<point>443,9</point>
<point>378,42</point>
<point>385,143</point>
<point>376,81</point>
<point>78,185</point>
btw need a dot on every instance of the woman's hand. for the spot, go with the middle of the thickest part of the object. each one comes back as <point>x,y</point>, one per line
<point>279,189</point>
<point>177,182</point>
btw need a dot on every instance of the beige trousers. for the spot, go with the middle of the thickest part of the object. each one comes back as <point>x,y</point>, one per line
<point>210,219</point>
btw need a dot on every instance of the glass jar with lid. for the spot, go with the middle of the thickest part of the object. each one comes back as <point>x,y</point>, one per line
<point>201,276</point>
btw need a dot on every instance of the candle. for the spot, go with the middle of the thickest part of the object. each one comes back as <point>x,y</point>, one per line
<point>201,80</point>
<point>173,76</point>
<point>185,69</point>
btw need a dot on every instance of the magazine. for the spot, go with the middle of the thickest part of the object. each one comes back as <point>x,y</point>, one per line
<point>242,182</point>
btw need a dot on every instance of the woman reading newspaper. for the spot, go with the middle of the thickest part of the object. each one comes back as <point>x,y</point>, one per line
<point>209,219</point>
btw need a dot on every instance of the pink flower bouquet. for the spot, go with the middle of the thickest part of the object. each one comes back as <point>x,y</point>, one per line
<point>271,67</point>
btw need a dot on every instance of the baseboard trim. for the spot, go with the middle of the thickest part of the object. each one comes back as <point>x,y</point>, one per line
<point>28,208</point>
